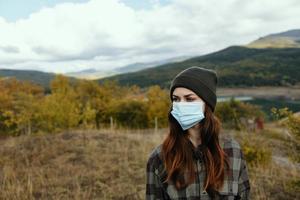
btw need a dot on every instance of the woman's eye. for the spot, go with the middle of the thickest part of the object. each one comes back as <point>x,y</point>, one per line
<point>175,99</point>
<point>189,99</point>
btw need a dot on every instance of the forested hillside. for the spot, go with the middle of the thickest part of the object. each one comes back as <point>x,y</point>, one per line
<point>236,66</point>
<point>41,78</point>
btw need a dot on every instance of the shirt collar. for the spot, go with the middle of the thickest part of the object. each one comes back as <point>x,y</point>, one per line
<point>198,151</point>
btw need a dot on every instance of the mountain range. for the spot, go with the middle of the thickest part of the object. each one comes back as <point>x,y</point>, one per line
<point>235,66</point>
<point>93,73</point>
<point>270,60</point>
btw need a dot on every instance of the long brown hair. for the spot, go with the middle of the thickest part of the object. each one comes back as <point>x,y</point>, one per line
<point>177,153</point>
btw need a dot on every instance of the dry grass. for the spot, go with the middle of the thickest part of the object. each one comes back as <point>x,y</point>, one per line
<point>104,165</point>
<point>278,179</point>
<point>77,165</point>
<point>273,182</point>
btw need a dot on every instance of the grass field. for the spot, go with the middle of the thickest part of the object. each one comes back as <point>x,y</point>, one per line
<point>111,165</point>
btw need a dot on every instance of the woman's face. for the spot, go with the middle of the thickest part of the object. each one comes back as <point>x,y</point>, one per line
<point>181,94</point>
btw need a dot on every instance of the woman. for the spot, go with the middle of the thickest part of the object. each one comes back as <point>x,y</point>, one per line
<point>192,163</point>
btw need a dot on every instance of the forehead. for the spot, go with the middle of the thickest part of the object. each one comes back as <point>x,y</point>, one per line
<point>181,91</point>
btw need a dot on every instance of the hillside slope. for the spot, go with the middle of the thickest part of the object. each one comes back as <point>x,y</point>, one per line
<point>37,77</point>
<point>236,66</point>
<point>41,78</point>
<point>287,39</point>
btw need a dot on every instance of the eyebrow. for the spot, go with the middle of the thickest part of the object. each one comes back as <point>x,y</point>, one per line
<point>187,95</point>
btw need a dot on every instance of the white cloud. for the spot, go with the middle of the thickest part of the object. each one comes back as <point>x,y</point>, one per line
<point>108,33</point>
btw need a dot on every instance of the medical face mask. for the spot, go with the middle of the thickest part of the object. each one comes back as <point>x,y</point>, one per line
<point>188,114</point>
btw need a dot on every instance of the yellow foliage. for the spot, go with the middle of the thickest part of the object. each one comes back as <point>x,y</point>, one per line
<point>158,105</point>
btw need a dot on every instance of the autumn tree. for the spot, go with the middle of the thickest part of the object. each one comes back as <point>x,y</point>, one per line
<point>61,109</point>
<point>18,109</point>
<point>158,105</point>
<point>129,113</point>
<point>92,102</point>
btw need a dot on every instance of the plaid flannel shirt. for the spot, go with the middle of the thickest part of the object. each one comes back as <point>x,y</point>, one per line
<point>236,184</point>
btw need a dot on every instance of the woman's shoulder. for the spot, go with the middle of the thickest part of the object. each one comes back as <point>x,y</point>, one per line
<point>154,158</point>
<point>236,165</point>
<point>229,142</point>
<point>155,152</point>
<point>232,147</point>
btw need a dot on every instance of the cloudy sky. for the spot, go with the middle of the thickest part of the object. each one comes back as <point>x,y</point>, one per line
<point>68,35</point>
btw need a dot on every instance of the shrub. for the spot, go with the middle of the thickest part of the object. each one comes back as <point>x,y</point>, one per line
<point>130,113</point>
<point>292,123</point>
<point>256,155</point>
<point>232,112</point>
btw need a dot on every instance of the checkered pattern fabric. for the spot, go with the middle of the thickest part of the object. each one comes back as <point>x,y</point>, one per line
<point>236,184</point>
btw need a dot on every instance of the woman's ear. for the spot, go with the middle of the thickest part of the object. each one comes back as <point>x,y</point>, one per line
<point>204,106</point>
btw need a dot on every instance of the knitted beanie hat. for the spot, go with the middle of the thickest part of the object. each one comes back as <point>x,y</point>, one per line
<point>201,81</point>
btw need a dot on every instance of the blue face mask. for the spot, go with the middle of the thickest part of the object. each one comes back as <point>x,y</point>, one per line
<point>188,114</point>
